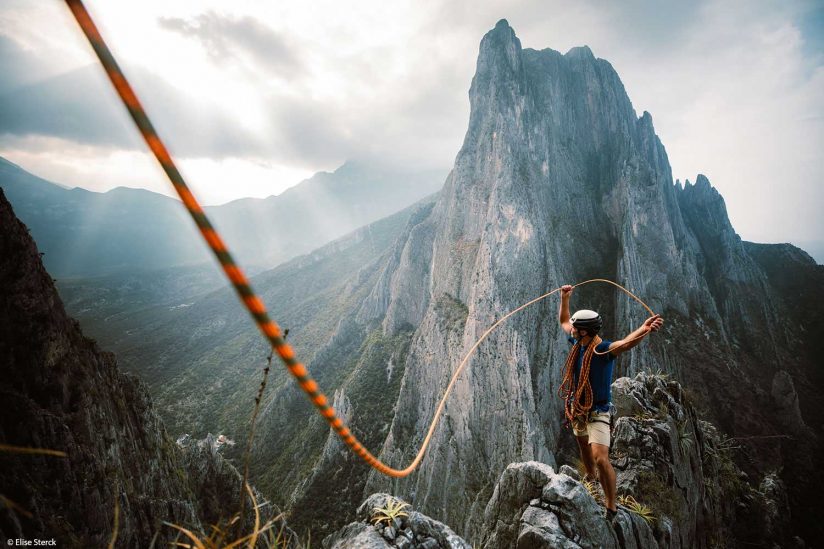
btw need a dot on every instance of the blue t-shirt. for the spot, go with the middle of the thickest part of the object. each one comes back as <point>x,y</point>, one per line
<point>600,373</point>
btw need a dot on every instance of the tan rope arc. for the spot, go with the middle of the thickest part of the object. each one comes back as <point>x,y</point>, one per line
<point>233,272</point>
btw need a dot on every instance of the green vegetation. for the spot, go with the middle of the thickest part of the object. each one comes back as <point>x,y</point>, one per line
<point>638,508</point>
<point>371,387</point>
<point>720,472</point>
<point>394,510</point>
<point>659,495</point>
<point>453,311</point>
<point>686,439</point>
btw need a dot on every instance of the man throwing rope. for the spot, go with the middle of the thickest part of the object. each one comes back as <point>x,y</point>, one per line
<point>586,388</point>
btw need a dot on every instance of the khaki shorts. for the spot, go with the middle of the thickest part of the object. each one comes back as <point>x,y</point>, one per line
<point>596,428</point>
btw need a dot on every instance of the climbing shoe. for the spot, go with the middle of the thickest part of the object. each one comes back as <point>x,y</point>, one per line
<point>611,515</point>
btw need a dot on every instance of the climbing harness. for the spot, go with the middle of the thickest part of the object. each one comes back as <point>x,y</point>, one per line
<point>251,301</point>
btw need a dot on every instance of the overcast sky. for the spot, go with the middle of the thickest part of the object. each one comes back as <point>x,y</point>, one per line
<point>253,97</point>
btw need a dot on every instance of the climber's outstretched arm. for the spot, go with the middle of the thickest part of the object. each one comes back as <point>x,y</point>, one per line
<point>652,324</point>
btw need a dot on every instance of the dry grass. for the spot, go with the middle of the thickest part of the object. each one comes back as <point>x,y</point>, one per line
<point>116,528</point>
<point>25,450</point>
<point>593,488</point>
<point>31,451</point>
<point>11,506</point>
<point>581,468</point>
<point>220,536</point>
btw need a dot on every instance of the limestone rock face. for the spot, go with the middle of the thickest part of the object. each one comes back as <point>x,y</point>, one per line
<point>563,513</point>
<point>559,181</point>
<point>665,459</point>
<point>413,531</point>
<point>786,403</point>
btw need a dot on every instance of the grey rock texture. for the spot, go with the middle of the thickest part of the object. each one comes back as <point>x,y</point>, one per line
<point>415,531</point>
<point>563,514</point>
<point>558,181</point>
<point>786,403</point>
<point>666,459</point>
<point>61,392</point>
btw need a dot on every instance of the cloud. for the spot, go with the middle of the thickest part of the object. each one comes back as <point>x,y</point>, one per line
<point>227,38</point>
<point>81,106</point>
<point>736,89</point>
<point>17,65</point>
<point>75,106</point>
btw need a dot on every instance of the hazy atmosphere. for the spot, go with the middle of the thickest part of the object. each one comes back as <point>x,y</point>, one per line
<point>255,97</point>
<point>467,275</point>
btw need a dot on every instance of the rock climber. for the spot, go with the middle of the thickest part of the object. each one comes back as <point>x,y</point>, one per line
<point>587,398</point>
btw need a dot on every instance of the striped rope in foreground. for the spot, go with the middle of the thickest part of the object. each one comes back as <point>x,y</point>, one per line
<point>250,300</point>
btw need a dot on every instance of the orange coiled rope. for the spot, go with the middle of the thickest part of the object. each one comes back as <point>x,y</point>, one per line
<point>251,301</point>
<point>577,399</point>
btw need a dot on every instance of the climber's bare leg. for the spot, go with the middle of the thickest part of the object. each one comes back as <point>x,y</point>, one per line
<point>606,474</point>
<point>586,455</point>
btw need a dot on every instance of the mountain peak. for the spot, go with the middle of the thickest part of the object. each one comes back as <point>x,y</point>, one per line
<point>503,24</point>
<point>580,52</point>
<point>500,43</point>
<point>702,181</point>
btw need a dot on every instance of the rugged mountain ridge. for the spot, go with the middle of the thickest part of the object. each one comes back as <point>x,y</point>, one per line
<point>677,485</point>
<point>61,392</point>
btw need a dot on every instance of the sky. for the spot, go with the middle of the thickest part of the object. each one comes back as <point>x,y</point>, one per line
<point>253,97</point>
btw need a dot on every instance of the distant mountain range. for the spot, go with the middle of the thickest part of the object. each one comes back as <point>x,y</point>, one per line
<point>88,234</point>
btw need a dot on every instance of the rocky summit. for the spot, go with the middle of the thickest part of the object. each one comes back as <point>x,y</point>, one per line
<point>677,485</point>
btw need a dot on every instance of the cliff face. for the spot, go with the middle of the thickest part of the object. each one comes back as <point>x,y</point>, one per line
<point>558,181</point>
<point>61,392</point>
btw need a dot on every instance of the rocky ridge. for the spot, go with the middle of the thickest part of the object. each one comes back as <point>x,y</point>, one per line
<point>62,392</point>
<point>677,486</point>
<point>410,530</point>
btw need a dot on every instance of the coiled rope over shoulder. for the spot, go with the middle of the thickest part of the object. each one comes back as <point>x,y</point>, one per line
<point>251,301</point>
